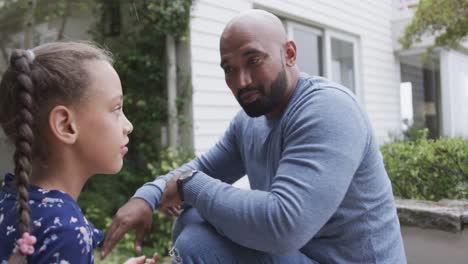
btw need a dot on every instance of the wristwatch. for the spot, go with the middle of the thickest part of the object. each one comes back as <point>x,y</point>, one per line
<point>181,180</point>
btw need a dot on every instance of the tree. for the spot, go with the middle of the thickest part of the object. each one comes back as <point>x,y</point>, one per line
<point>20,17</point>
<point>446,19</point>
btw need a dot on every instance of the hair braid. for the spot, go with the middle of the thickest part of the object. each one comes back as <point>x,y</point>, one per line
<point>20,61</point>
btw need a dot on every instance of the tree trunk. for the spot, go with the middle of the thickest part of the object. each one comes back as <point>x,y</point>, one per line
<point>29,25</point>
<point>66,14</point>
<point>173,131</point>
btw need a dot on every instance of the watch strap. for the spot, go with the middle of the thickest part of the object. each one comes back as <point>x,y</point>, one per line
<point>184,178</point>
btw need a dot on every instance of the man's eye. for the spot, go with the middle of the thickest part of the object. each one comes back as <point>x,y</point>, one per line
<point>227,70</point>
<point>254,60</point>
<point>118,108</point>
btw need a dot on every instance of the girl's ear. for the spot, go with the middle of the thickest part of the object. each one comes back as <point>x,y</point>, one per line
<point>62,123</point>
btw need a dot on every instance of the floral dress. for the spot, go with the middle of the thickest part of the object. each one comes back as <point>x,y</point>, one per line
<point>63,233</point>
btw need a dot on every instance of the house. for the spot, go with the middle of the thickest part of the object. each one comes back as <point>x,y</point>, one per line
<point>439,83</point>
<point>351,42</point>
<point>348,41</point>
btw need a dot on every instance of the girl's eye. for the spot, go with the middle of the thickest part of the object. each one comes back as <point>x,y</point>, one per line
<point>118,108</point>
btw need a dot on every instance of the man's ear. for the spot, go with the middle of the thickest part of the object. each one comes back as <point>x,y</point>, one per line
<point>62,123</point>
<point>291,53</point>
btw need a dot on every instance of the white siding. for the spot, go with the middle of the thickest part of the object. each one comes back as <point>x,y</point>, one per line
<point>369,21</point>
<point>213,103</point>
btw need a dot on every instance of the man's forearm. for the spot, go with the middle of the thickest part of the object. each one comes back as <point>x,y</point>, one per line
<point>152,191</point>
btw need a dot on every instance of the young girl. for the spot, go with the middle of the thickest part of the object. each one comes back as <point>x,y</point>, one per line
<point>61,105</point>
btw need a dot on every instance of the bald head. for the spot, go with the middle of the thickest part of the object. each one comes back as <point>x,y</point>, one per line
<point>259,62</point>
<point>259,23</point>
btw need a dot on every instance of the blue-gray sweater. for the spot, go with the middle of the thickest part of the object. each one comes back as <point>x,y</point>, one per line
<point>318,181</point>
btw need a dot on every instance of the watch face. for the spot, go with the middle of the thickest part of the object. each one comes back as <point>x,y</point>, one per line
<point>185,174</point>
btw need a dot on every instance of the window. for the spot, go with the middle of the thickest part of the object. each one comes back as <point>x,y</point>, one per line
<point>424,80</point>
<point>342,62</point>
<point>326,53</point>
<point>309,42</point>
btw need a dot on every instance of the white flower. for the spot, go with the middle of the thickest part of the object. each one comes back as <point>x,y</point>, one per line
<point>37,222</point>
<point>85,239</point>
<point>43,248</point>
<point>43,191</point>
<point>73,220</point>
<point>10,229</point>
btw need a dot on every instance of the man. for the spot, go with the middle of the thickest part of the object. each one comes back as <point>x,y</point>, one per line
<point>320,192</point>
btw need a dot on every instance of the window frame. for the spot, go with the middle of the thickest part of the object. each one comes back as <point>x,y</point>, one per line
<point>326,35</point>
<point>329,34</point>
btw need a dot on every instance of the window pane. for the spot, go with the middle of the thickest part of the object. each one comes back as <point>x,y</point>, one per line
<point>342,63</point>
<point>309,51</point>
<point>425,81</point>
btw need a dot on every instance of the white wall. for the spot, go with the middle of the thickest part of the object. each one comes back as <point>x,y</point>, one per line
<point>369,21</point>
<point>454,93</point>
<point>213,103</point>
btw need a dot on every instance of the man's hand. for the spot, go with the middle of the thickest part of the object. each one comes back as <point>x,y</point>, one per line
<point>135,214</point>
<point>170,202</point>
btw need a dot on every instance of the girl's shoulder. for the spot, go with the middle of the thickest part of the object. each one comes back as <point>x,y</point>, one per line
<point>61,228</point>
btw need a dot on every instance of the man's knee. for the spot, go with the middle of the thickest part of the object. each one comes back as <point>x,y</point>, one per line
<point>201,243</point>
<point>198,243</point>
<point>187,217</point>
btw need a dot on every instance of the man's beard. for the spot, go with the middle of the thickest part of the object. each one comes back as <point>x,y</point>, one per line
<point>265,103</point>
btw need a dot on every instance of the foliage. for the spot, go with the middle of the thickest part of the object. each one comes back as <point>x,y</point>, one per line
<point>139,50</point>
<point>415,132</point>
<point>16,14</point>
<point>428,169</point>
<point>447,19</point>
<point>104,194</point>
<point>135,32</point>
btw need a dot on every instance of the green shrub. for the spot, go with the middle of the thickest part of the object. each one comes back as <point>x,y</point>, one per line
<point>428,169</point>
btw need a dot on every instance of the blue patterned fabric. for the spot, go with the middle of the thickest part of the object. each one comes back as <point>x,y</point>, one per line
<point>62,231</point>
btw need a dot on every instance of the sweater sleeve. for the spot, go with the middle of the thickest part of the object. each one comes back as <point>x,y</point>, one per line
<point>223,161</point>
<point>325,138</point>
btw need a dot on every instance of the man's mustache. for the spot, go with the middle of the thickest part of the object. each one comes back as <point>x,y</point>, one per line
<point>258,89</point>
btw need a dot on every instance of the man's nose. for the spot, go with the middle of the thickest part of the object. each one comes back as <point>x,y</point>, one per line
<point>245,79</point>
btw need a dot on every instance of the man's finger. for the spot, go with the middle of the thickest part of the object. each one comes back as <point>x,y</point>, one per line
<point>140,233</point>
<point>166,211</point>
<point>105,246</point>
<point>112,238</point>
<point>174,211</point>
